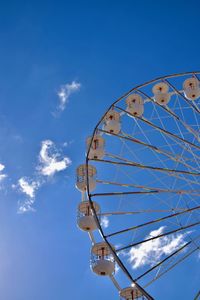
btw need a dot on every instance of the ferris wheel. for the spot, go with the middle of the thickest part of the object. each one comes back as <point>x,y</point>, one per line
<point>140,186</point>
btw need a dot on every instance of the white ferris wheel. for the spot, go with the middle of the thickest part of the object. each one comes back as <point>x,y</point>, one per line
<point>140,185</point>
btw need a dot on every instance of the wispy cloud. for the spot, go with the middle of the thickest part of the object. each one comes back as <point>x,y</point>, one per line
<point>2,167</point>
<point>27,187</point>
<point>65,92</point>
<point>2,175</point>
<point>26,206</point>
<point>151,252</point>
<point>104,222</point>
<point>51,160</point>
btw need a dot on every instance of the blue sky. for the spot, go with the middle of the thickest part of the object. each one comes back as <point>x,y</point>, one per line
<point>105,48</point>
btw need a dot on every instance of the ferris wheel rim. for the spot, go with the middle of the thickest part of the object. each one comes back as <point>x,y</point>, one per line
<point>104,237</point>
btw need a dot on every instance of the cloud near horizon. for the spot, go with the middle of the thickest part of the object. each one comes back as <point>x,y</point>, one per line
<point>65,92</point>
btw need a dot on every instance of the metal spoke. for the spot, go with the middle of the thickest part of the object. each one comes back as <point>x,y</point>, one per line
<point>149,168</point>
<point>196,134</point>
<point>118,213</point>
<point>152,147</point>
<point>161,129</point>
<point>182,96</point>
<point>164,260</point>
<point>174,265</point>
<point>154,221</point>
<point>158,236</point>
<point>134,164</point>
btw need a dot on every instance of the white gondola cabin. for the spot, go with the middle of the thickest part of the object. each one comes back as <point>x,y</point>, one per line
<point>85,218</point>
<point>102,260</point>
<point>135,105</point>
<point>96,147</point>
<point>161,95</point>
<point>191,88</point>
<point>112,122</point>
<point>81,181</point>
<point>130,293</point>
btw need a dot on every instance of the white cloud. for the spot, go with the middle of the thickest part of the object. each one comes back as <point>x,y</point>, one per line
<point>51,160</point>
<point>104,222</point>
<point>65,92</point>
<point>149,253</point>
<point>65,144</point>
<point>27,187</point>
<point>2,176</point>
<point>26,206</point>
<point>2,167</point>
